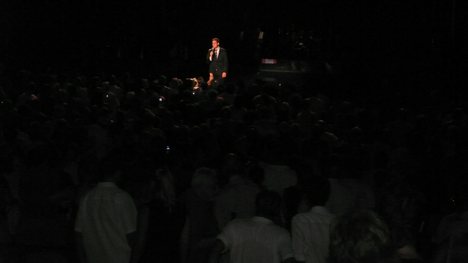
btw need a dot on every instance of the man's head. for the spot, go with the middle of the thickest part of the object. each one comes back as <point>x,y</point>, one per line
<point>110,168</point>
<point>268,204</point>
<point>205,183</point>
<point>232,166</point>
<point>215,42</point>
<point>316,191</point>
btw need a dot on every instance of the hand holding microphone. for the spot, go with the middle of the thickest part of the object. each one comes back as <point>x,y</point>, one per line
<point>211,50</point>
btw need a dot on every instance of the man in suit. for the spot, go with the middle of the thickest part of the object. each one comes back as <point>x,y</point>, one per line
<point>218,64</point>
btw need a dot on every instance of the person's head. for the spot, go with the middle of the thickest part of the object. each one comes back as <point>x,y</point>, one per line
<point>361,236</point>
<point>316,191</point>
<point>232,165</point>
<point>205,183</point>
<point>268,204</point>
<point>256,173</point>
<point>110,169</point>
<point>163,187</point>
<point>215,42</point>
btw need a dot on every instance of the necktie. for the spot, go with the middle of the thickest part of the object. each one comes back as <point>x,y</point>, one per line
<point>215,54</point>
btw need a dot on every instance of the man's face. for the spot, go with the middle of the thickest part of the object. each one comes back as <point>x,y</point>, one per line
<point>214,44</point>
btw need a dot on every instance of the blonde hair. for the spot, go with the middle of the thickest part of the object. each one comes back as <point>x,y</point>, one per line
<point>360,236</point>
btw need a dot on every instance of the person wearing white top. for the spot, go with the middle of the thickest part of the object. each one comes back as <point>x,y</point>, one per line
<point>257,239</point>
<point>106,222</point>
<point>311,230</point>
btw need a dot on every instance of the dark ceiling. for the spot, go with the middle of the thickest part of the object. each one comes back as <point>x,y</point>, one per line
<point>72,28</point>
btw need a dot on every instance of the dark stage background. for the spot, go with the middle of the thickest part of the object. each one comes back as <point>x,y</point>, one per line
<point>375,37</point>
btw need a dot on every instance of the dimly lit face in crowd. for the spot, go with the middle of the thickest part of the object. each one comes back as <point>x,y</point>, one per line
<point>207,191</point>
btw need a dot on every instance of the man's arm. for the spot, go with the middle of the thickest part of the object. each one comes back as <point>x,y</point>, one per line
<point>184,241</point>
<point>291,260</point>
<point>285,249</point>
<point>132,239</point>
<point>210,80</point>
<point>225,65</point>
<point>216,251</point>
<point>298,240</point>
<point>80,248</point>
<point>79,243</point>
<point>137,240</point>
<point>208,56</point>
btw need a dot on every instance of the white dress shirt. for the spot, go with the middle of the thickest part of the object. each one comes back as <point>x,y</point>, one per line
<point>256,240</point>
<point>105,216</point>
<point>311,235</point>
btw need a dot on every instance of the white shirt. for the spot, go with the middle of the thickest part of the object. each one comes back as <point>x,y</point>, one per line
<point>105,216</point>
<point>216,50</point>
<point>256,240</point>
<point>311,235</point>
<point>237,199</point>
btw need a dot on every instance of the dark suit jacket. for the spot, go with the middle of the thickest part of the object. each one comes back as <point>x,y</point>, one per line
<point>219,65</point>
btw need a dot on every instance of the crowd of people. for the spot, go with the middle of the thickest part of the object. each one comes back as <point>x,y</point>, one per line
<point>168,169</point>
